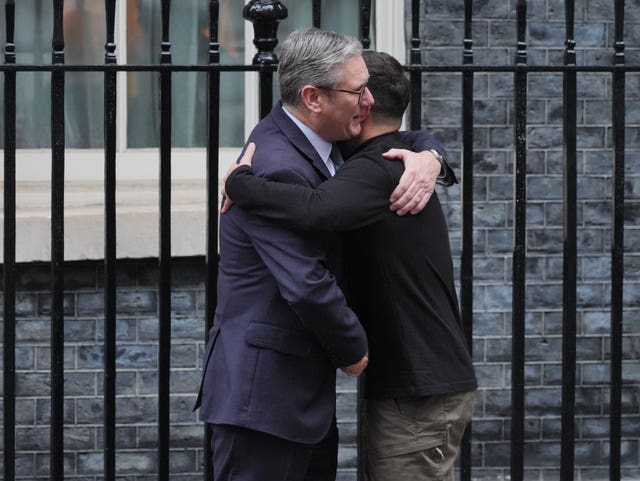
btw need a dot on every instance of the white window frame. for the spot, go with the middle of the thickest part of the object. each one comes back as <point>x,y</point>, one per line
<point>137,175</point>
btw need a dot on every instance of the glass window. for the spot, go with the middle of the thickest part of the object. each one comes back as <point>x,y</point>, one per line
<point>189,89</point>
<point>84,31</point>
<point>338,15</point>
<point>84,40</point>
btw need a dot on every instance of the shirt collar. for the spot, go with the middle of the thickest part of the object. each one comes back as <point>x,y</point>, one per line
<point>322,146</point>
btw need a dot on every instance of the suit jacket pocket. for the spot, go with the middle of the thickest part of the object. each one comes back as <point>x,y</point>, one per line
<point>286,341</point>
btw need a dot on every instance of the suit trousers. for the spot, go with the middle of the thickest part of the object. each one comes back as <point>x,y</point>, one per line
<point>241,454</point>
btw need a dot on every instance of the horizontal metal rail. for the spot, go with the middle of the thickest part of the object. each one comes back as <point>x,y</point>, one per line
<point>273,68</point>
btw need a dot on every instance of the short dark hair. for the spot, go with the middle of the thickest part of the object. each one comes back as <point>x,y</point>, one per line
<point>388,84</point>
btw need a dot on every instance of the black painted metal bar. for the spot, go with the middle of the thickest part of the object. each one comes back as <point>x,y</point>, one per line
<point>361,419</point>
<point>259,68</point>
<point>361,415</point>
<point>415,58</point>
<point>110,87</point>
<point>466,261</point>
<point>316,10</point>
<point>617,247</point>
<point>57,247</point>
<point>569,281</point>
<point>519,251</point>
<point>213,160</point>
<point>365,23</point>
<point>265,15</point>
<point>164,292</point>
<point>9,246</point>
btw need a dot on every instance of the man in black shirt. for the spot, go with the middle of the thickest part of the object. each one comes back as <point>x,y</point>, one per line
<point>398,277</point>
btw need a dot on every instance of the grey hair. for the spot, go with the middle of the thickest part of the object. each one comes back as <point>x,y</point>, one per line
<point>311,57</point>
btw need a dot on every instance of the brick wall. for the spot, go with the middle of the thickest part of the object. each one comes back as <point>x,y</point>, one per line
<point>494,37</point>
<point>136,381</point>
<point>137,363</point>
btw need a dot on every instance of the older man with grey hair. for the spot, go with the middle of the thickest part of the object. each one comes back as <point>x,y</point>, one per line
<point>282,325</point>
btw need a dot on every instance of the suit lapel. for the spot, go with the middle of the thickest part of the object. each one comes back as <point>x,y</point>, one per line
<point>298,139</point>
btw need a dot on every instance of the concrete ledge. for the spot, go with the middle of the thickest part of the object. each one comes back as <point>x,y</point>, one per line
<point>137,229</point>
<point>137,210</point>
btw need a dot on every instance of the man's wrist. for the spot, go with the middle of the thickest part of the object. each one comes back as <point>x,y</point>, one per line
<point>243,169</point>
<point>439,158</point>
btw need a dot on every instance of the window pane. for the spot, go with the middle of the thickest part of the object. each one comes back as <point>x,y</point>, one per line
<point>84,44</point>
<point>85,36</point>
<point>84,40</point>
<point>337,15</point>
<point>189,89</point>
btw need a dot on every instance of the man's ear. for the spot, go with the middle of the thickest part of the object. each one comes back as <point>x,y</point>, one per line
<point>312,98</point>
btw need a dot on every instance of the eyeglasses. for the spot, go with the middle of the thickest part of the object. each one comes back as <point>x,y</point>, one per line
<point>359,93</point>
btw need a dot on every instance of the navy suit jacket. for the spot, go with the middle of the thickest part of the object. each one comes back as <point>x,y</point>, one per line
<point>282,325</point>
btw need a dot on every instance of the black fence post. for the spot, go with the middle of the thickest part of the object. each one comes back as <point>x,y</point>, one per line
<point>9,246</point>
<point>110,97</point>
<point>57,246</point>
<point>213,160</point>
<point>164,343</point>
<point>361,408</point>
<point>316,13</point>
<point>365,23</point>
<point>265,16</point>
<point>569,282</point>
<point>415,75</point>
<point>519,250</point>
<point>466,262</point>
<point>617,247</point>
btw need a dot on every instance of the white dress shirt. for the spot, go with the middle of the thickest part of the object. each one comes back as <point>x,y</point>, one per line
<point>322,146</point>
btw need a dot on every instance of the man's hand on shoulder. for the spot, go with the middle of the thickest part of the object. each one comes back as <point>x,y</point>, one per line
<point>245,159</point>
<point>421,170</point>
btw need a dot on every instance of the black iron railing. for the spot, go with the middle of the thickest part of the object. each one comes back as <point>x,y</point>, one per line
<point>265,16</point>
